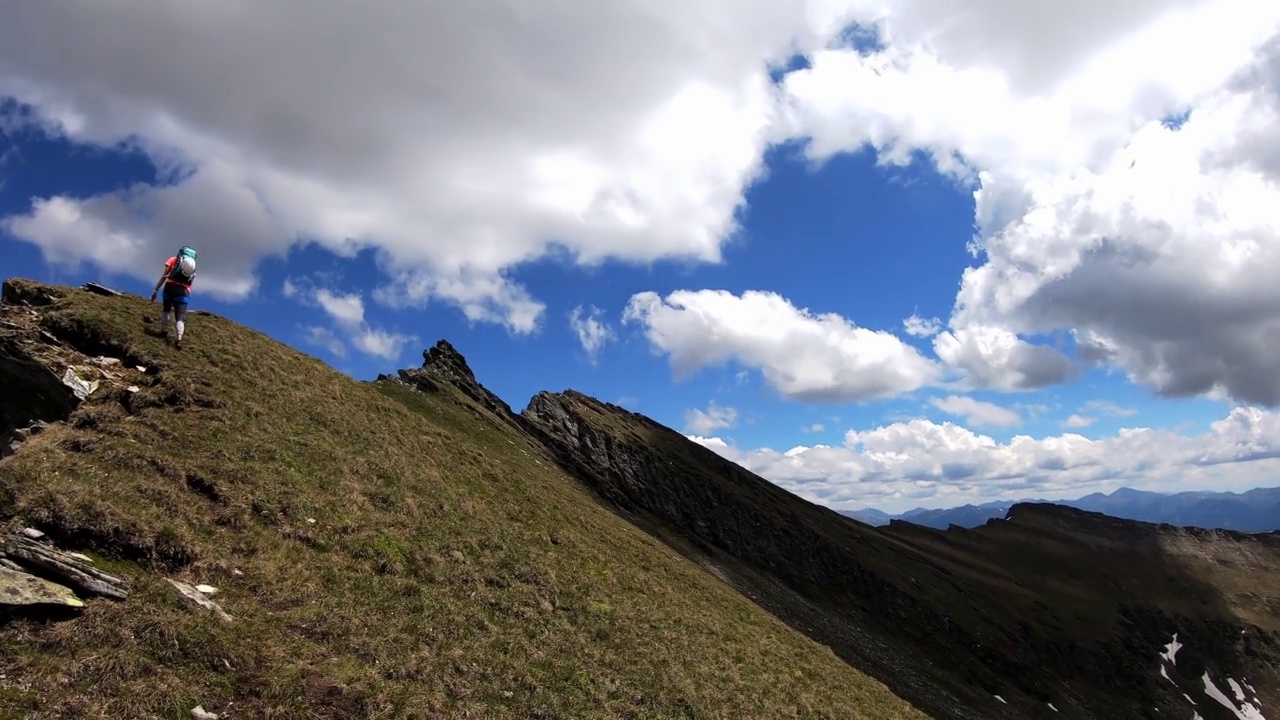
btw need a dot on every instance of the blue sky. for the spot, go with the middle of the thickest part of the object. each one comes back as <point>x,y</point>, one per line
<point>859,179</point>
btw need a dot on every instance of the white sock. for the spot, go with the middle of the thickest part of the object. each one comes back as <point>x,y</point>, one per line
<point>180,325</point>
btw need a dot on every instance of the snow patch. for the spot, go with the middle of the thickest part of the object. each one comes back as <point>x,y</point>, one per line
<point>1247,711</point>
<point>1051,707</point>
<point>1001,699</point>
<point>1235,688</point>
<point>1171,650</point>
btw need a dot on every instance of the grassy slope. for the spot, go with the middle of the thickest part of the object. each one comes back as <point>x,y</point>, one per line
<point>452,570</point>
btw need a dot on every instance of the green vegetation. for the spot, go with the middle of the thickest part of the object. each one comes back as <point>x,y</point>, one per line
<point>383,552</point>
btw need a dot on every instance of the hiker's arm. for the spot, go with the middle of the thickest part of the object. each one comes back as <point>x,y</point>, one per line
<point>159,282</point>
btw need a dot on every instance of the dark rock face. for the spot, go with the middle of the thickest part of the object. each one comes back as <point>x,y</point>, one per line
<point>1053,607</point>
<point>444,366</point>
<point>31,395</point>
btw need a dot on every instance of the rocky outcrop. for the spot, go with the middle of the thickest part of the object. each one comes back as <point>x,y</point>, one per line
<point>35,576</point>
<point>48,369</point>
<point>443,366</point>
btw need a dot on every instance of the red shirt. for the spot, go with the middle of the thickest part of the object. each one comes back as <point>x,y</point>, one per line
<point>169,265</point>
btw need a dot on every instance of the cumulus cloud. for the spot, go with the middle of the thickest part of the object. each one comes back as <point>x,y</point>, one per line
<point>381,343</point>
<point>715,417</point>
<point>919,462</point>
<point>1078,421</point>
<point>803,355</point>
<point>976,412</point>
<point>458,139</point>
<point>1150,244</point>
<point>593,332</point>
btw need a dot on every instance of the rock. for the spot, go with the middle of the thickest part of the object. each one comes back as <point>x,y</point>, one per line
<point>94,287</point>
<point>198,598</point>
<point>80,387</point>
<point>132,388</point>
<point>199,713</point>
<point>444,365</point>
<point>74,572</point>
<point>16,291</point>
<point>32,533</point>
<point>20,588</point>
<point>207,589</point>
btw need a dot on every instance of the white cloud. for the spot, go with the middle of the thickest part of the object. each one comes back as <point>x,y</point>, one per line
<point>715,417</point>
<point>347,312</point>
<point>1093,408</point>
<point>976,412</point>
<point>919,462</point>
<point>1154,248</point>
<point>458,139</point>
<point>347,309</point>
<point>593,333</point>
<point>462,139</point>
<point>814,428</point>
<point>803,355</point>
<point>922,327</point>
<point>1106,407</point>
<point>327,339</point>
<point>381,343</point>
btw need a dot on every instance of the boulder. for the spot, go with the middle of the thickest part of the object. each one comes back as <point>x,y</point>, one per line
<point>20,589</point>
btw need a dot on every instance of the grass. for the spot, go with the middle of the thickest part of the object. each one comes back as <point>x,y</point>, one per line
<point>383,552</point>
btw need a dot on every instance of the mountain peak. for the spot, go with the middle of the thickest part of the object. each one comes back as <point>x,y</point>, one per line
<point>444,359</point>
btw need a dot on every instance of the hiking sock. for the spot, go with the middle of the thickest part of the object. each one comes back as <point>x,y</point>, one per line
<point>180,326</point>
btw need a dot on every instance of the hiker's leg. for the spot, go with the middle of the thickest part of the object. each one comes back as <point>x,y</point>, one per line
<point>180,316</point>
<point>166,306</point>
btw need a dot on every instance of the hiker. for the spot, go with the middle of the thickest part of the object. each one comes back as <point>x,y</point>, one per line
<point>179,272</point>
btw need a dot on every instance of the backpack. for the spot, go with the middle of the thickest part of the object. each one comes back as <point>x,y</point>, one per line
<point>184,270</point>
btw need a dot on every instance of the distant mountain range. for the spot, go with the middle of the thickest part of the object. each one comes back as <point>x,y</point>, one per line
<point>1256,510</point>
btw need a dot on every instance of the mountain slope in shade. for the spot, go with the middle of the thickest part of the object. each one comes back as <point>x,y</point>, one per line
<point>1054,606</point>
<point>1256,510</point>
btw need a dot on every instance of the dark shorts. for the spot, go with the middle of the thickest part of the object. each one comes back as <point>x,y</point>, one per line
<point>175,299</point>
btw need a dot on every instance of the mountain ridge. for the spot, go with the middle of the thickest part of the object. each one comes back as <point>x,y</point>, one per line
<point>1255,510</point>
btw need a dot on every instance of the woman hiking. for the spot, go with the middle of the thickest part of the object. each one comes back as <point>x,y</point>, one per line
<point>179,273</point>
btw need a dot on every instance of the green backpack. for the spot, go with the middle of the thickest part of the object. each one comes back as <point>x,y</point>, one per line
<point>184,270</point>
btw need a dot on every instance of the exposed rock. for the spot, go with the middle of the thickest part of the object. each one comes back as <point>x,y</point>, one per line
<point>443,365</point>
<point>193,594</point>
<point>94,287</point>
<point>16,291</point>
<point>32,533</point>
<point>19,588</point>
<point>199,713</point>
<point>68,569</point>
<point>80,387</point>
